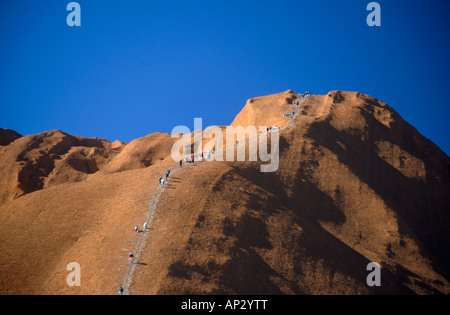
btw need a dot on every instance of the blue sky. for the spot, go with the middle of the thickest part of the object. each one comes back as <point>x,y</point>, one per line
<point>138,67</point>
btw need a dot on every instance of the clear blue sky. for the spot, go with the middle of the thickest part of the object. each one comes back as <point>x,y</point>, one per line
<point>142,66</point>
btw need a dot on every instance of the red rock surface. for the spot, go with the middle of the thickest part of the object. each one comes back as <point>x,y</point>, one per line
<point>355,184</point>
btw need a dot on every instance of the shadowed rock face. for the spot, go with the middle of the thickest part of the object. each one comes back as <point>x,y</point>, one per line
<point>51,158</point>
<point>7,136</point>
<point>35,162</point>
<point>356,184</point>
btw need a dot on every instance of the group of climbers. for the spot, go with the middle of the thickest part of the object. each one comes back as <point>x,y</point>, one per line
<point>191,160</point>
